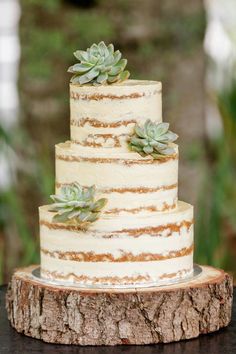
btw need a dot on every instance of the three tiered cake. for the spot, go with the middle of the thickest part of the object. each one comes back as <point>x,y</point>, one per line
<point>137,232</point>
<point>116,244</point>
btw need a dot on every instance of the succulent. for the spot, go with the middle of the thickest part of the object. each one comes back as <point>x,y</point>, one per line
<point>76,204</point>
<point>152,139</point>
<point>99,65</point>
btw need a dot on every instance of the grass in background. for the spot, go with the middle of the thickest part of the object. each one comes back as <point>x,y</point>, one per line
<point>17,231</point>
<point>216,219</point>
<point>226,101</point>
<point>15,216</point>
<point>211,245</point>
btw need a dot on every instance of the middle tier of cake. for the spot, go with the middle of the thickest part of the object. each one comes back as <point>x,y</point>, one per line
<point>131,183</point>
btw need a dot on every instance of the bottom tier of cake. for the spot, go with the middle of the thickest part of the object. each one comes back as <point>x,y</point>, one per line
<point>148,249</point>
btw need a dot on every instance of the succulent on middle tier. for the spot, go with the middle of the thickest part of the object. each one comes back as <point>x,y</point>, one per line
<point>153,139</point>
<point>76,204</point>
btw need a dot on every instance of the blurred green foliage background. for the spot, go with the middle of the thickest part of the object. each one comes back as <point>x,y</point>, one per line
<point>162,41</point>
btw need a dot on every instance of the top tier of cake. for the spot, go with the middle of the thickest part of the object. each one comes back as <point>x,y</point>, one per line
<point>104,118</point>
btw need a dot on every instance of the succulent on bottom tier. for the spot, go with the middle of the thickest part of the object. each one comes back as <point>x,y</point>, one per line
<point>153,139</point>
<point>76,204</point>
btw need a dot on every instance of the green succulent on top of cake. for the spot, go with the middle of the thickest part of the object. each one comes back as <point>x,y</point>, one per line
<point>99,65</point>
<point>153,139</point>
<point>76,204</point>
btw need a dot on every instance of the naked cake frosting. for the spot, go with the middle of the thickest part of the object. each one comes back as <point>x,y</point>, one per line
<point>129,228</point>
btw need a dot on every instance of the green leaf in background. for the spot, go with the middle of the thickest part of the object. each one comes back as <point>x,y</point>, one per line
<point>4,136</point>
<point>226,100</point>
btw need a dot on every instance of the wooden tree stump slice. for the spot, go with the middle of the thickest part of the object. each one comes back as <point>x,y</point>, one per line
<point>70,315</point>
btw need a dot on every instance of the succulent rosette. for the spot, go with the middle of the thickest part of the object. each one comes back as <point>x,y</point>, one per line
<point>99,65</point>
<point>76,204</point>
<point>153,139</point>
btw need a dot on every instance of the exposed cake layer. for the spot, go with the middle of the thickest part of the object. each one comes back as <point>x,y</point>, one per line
<point>116,273</point>
<point>131,183</point>
<point>104,116</point>
<point>119,249</point>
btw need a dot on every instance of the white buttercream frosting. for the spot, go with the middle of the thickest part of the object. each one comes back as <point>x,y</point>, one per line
<point>122,225</point>
<point>115,174</point>
<point>113,236</point>
<point>154,270</point>
<point>105,115</point>
<point>144,233</point>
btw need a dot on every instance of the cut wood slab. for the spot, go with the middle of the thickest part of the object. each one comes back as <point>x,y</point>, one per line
<point>70,315</point>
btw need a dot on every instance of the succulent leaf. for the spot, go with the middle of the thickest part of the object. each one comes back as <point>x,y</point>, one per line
<point>101,79</point>
<point>110,48</point>
<point>162,128</point>
<point>124,75</point>
<point>152,139</point>
<point>99,204</point>
<point>81,55</point>
<point>77,204</point>
<point>99,65</point>
<point>148,149</point>
<point>83,67</point>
